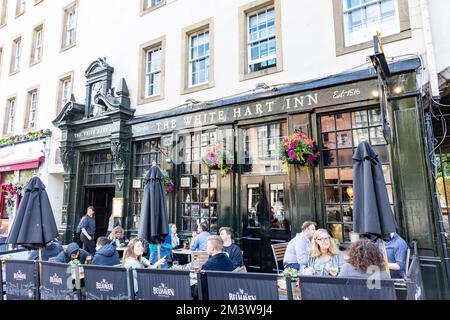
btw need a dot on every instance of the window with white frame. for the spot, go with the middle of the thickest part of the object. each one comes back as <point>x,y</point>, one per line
<point>65,91</point>
<point>70,28</point>
<point>363,18</point>
<point>15,61</point>
<point>32,109</point>
<point>20,6</point>
<point>3,12</point>
<point>151,3</point>
<point>36,54</point>
<point>261,38</point>
<point>153,72</point>
<point>199,58</point>
<point>9,129</point>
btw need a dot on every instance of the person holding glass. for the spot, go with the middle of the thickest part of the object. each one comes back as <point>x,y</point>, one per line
<point>117,237</point>
<point>325,259</point>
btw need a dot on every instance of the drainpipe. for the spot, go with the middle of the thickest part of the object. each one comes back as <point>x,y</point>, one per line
<point>435,98</point>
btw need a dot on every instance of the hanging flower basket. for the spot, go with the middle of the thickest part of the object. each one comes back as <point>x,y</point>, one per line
<point>300,150</point>
<point>169,186</point>
<point>29,136</point>
<point>11,191</point>
<point>217,158</point>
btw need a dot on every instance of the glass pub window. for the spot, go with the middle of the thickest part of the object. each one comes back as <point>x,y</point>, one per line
<point>199,201</point>
<point>100,168</point>
<point>261,46</point>
<point>340,135</point>
<point>363,18</point>
<point>262,148</point>
<point>145,152</point>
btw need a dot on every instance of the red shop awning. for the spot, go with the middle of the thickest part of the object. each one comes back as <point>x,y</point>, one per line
<point>22,166</point>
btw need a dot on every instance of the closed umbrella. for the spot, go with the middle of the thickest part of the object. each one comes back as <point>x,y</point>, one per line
<point>373,215</point>
<point>34,225</point>
<point>154,219</point>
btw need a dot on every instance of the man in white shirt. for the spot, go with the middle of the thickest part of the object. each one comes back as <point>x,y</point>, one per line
<point>298,249</point>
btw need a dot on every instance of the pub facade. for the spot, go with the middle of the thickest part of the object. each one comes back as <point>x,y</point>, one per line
<point>106,151</point>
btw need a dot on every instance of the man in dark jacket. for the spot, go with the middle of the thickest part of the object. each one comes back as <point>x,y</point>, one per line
<point>106,253</point>
<point>72,252</point>
<point>231,250</point>
<point>218,261</point>
<point>52,249</point>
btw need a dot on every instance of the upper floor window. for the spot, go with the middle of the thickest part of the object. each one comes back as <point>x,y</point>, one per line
<point>199,58</point>
<point>363,18</point>
<point>150,5</point>
<point>31,111</point>
<point>153,72</point>
<point>3,11</point>
<point>20,7</point>
<point>356,22</point>
<point>8,126</point>
<point>69,28</point>
<point>15,55</point>
<point>260,49</point>
<point>261,40</point>
<point>64,90</point>
<point>36,49</point>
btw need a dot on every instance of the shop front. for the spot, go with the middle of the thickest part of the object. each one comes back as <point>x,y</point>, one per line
<point>263,199</point>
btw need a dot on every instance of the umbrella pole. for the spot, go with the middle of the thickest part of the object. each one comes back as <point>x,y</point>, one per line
<point>386,263</point>
<point>159,254</point>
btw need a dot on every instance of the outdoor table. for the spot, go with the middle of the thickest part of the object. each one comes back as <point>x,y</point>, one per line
<point>282,290</point>
<point>121,250</point>
<point>184,252</point>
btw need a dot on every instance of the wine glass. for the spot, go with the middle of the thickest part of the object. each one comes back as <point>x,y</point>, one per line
<point>333,271</point>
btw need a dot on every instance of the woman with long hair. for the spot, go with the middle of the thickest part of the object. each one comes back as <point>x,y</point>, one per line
<point>325,259</point>
<point>132,258</point>
<point>364,260</point>
<point>117,237</point>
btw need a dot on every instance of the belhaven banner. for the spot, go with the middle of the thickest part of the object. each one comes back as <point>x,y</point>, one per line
<point>241,286</point>
<point>21,280</point>
<point>106,283</point>
<point>56,282</point>
<point>154,284</point>
<point>330,288</point>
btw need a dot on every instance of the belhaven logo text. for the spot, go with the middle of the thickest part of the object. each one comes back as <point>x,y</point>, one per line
<point>54,279</point>
<point>104,286</point>
<point>19,276</point>
<point>163,291</point>
<point>241,295</point>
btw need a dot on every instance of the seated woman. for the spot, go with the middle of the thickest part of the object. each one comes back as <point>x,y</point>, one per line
<point>364,260</point>
<point>325,259</point>
<point>117,237</point>
<point>132,258</point>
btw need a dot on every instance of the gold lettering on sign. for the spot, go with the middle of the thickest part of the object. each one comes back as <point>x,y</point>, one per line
<point>248,112</point>
<point>221,115</point>
<point>237,113</point>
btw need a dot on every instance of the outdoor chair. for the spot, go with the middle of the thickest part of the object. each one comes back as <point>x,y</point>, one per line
<point>199,257</point>
<point>278,250</point>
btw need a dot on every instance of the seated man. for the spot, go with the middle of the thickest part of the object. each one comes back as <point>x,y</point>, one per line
<point>232,250</point>
<point>72,252</point>
<point>217,261</point>
<point>297,251</point>
<point>51,250</point>
<point>200,238</point>
<point>105,253</point>
<point>396,250</point>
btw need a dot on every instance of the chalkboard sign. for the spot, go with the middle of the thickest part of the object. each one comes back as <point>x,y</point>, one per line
<point>56,282</point>
<point>154,284</point>
<point>21,280</point>
<point>106,283</point>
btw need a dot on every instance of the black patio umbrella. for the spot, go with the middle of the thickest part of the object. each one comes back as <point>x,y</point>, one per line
<point>373,215</point>
<point>34,225</point>
<point>154,224</point>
